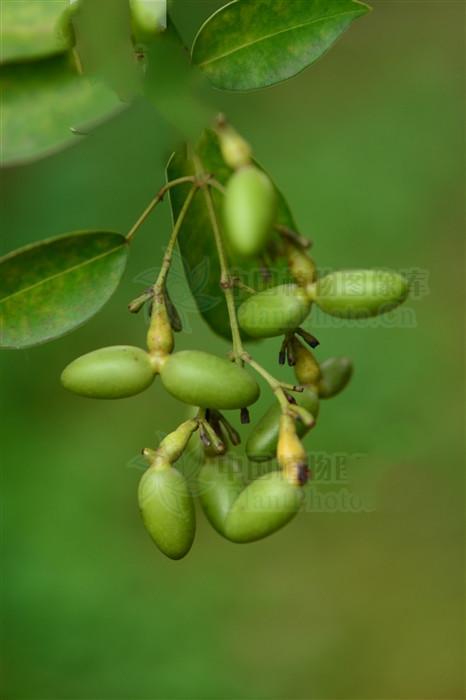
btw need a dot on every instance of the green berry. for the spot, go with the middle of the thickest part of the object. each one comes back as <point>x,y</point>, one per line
<point>266,505</point>
<point>262,443</point>
<point>236,152</point>
<point>273,312</point>
<point>109,373</point>
<point>335,375</point>
<point>148,18</point>
<point>249,211</point>
<point>205,380</point>
<point>220,483</point>
<point>359,293</point>
<point>167,510</point>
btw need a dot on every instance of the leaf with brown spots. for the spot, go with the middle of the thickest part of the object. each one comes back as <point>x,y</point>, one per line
<point>49,288</point>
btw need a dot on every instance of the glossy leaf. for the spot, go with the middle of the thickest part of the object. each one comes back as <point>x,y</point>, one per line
<point>196,240</point>
<point>42,102</point>
<point>31,29</point>
<point>49,288</point>
<point>250,44</point>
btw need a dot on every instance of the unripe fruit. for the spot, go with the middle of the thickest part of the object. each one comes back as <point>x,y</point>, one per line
<point>262,443</point>
<point>236,152</point>
<point>167,510</point>
<point>220,483</point>
<point>335,375</point>
<point>273,312</point>
<point>109,373</point>
<point>205,380</point>
<point>147,18</point>
<point>359,293</point>
<point>266,505</point>
<point>306,368</point>
<point>249,211</point>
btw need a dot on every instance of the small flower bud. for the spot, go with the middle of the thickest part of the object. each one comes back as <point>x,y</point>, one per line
<point>235,150</point>
<point>174,444</point>
<point>291,455</point>
<point>160,340</point>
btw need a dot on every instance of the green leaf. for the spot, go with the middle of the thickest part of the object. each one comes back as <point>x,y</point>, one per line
<point>42,102</point>
<point>196,239</point>
<point>49,288</point>
<point>31,29</point>
<point>250,44</point>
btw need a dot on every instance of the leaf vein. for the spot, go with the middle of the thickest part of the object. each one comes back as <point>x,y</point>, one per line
<point>271,36</point>
<point>59,274</point>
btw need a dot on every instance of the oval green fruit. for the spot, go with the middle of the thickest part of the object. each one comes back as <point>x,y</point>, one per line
<point>273,312</point>
<point>359,293</point>
<point>148,18</point>
<point>262,442</point>
<point>220,483</point>
<point>109,373</point>
<point>250,205</point>
<point>335,374</point>
<point>167,510</point>
<point>266,505</point>
<point>205,380</point>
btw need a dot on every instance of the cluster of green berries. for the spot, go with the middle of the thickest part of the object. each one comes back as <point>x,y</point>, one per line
<point>240,512</point>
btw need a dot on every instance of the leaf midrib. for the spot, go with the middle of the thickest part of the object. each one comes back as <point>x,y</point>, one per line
<point>59,274</point>
<point>271,36</point>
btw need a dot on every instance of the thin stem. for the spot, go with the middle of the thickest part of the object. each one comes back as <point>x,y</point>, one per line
<point>274,384</point>
<point>167,258</point>
<point>226,281</point>
<point>218,185</point>
<point>156,200</point>
<point>293,236</point>
<point>240,285</point>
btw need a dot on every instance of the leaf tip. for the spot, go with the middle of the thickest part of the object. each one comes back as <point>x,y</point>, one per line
<point>364,8</point>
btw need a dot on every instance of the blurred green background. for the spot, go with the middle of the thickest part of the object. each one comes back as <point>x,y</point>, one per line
<point>367,145</point>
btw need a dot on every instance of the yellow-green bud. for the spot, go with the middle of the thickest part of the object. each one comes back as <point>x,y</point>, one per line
<point>291,455</point>
<point>174,444</point>
<point>160,340</point>
<point>235,150</point>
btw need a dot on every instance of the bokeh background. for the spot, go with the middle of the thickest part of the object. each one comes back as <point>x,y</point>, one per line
<point>350,601</point>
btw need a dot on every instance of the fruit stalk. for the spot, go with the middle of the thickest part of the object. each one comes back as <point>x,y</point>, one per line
<point>167,258</point>
<point>160,341</point>
<point>155,201</point>
<point>274,384</point>
<point>226,281</point>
